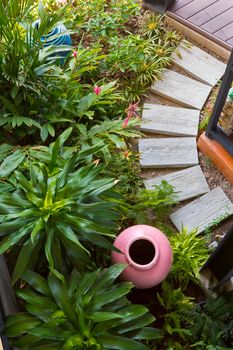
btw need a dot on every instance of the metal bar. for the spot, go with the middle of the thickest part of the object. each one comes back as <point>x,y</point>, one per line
<point>220,262</point>
<point>223,139</point>
<point>221,98</point>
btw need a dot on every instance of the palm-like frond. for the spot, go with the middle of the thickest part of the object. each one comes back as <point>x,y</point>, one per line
<point>87,312</point>
<point>57,203</point>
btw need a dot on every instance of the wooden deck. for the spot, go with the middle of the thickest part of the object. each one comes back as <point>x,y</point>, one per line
<point>211,18</point>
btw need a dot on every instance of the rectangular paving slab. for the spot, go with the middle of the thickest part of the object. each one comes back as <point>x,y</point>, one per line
<point>199,64</point>
<point>179,152</point>
<point>187,183</point>
<point>169,120</point>
<point>181,89</point>
<point>203,211</point>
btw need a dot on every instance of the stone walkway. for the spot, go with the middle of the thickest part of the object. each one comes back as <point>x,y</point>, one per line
<point>179,150</point>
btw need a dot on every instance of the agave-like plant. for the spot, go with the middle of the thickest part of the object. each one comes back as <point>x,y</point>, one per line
<point>62,205</point>
<point>87,312</point>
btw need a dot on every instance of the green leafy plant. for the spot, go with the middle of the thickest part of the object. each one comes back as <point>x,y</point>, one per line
<point>57,201</point>
<point>152,25</point>
<point>172,308</point>
<point>150,205</point>
<point>190,252</point>
<point>110,132</point>
<point>212,323</point>
<point>86,312</point>
<point>23,59</point>
<point>105,18</point>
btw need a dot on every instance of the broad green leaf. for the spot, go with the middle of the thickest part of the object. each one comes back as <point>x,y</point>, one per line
<point>136,323</point>
<point>38,226</point>
<point>121,343</point>
<point>11,162</point>
<point>13,239</point>
<point>44,132</point>
<point>73,342</point>
<point>100,316</point>
<point>149,333</point>
<point>49,252</point>
<point>85,103</point>
<point>118,142</point>
<point>26,341</point>
<point>116,292</point>
<point>69,234</point>
<point>5,149</point>
<point>19,324</point>
<point>25,184</point>
<point>57,146</point>
<point>14,225</point>
<point>23,260</point>
<point>60,294</point>
<point>51,334</point>
<point>34,298</point>
<point>37,282</point>
<point>79,258</point>
<point>83,154</point>
<point>107,277</point>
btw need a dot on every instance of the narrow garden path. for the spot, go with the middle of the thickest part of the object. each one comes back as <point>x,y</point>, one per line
<point>187,84</point>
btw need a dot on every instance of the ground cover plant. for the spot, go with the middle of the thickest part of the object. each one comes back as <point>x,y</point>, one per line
<point>70,181</point>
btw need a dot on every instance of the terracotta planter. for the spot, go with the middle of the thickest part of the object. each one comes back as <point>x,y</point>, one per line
<point>148,254</point>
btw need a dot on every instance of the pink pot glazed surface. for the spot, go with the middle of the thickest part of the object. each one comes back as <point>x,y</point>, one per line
<point>148,254</point>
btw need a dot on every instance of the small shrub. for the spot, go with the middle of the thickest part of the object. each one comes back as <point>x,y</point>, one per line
<point>212,323</point>
<point>151,205</point>
<point>171,310</point>
<point>57,205</point>
<point>190,252</point>
<point>85,312</point>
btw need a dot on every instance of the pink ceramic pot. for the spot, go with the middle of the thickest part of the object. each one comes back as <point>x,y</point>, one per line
<point>148,254</point>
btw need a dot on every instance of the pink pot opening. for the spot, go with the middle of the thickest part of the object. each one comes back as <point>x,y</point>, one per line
<point>142,253</point>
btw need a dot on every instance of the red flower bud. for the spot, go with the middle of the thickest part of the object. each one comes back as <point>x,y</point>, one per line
<point>97,90</point>
<point>125,122</point>
<point>132,110</point>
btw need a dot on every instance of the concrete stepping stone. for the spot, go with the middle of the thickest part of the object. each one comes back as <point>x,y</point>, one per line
<point>187,183</point>
<point>202,212</point>
<point>168,152</point>
<point>181,89</point>
<point>169,120</point>
<point>199,64</point>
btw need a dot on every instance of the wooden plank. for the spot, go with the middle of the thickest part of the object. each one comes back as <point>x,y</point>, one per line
<point>199,64</point>
<point>193,8</point>
<point>219,22</point>
<point>187,183</point>
<point>179,4</point>
<point>202,212</point>
<point>168,152</point>
<point>225,33</point>
<point>200,36</point>
<point>169,120</point>
<point>211,11</point>
<point>200,18</point>
<point>230,41</point>
<point>181,89</point>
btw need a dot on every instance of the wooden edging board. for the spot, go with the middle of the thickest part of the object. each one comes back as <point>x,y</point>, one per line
<point>194,33</point>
